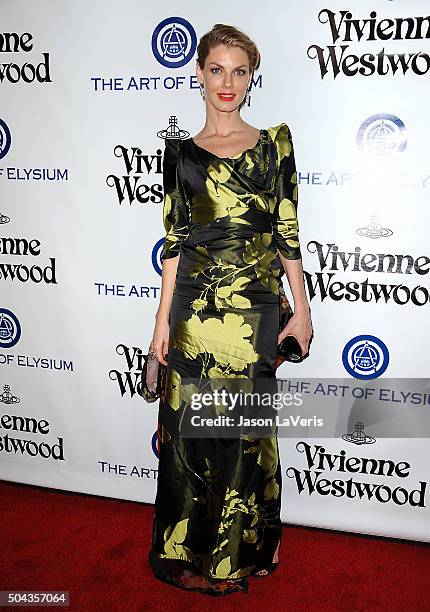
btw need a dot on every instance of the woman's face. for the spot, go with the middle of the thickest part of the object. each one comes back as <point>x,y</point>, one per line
<point>225,77</point>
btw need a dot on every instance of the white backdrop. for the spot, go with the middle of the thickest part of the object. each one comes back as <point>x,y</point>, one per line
<point>79,277</point>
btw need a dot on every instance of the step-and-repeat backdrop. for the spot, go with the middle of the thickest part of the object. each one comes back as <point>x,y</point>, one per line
<point>87,91</point>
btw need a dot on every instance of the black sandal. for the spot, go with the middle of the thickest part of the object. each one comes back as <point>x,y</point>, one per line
<point>267,570</point>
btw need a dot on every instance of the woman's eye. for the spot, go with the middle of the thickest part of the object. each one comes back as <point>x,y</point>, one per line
<point>239,71</point>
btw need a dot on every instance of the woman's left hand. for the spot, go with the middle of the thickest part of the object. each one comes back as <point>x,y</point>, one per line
<point>300,326</point>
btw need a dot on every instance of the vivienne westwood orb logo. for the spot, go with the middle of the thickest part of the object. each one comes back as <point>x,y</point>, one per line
<point>365,357</point>
<point>374,230</point>
<point>7,397</point>
<point>173,130</point>
<point>174,42</point>
<point>358,436</point>
<point>382,138</point>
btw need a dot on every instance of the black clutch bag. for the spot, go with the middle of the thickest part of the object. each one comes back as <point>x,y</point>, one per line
<point>289,348</point>
<point>153,377</point>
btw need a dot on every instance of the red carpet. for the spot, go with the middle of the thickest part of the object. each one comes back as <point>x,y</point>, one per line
<point>96,548</point>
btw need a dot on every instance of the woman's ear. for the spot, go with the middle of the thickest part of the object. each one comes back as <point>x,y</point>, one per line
<point>199,73</point>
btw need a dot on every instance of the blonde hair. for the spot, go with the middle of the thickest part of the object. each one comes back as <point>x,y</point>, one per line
<point>232,37</point>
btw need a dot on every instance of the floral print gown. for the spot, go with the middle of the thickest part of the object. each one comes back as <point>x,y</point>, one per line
<point>217,507</point>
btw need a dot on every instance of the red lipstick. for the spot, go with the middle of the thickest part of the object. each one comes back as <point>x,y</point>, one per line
<point>226,97</point>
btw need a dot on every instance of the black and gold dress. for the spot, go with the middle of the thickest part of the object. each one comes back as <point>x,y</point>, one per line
<point>217,508</point>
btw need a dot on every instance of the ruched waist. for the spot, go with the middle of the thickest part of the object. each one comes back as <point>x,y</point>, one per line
<point>230,262</point>
<point>257,297</point>
<point>243,228</point>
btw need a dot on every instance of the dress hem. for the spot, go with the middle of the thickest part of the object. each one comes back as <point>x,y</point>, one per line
<point>207,575</point>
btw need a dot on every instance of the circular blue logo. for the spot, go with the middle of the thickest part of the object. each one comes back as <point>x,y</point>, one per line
<point>382,138</point>
<point>156,256</point>
<point>10,329</point>
<point>174,42</point>
<point>365,357</point>
<point>154,445</point>
<point>5,139</point>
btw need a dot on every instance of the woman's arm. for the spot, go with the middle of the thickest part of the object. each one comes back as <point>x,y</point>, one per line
<point>300,324</point>
<point>294,272</point>
<point>286,229</point>
<point>176,220</point>
<point>160,339</point>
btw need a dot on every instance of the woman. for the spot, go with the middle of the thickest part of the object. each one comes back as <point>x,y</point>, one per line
<point>231,233</point>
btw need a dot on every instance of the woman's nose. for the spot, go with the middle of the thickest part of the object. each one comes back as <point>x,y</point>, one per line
<point>227,80</point>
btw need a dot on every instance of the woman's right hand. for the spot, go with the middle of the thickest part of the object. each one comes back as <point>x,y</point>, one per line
<point>160,339</point>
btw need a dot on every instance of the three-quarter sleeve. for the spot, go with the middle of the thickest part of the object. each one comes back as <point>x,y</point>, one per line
<point>175,208</point>
<point>285,222</point>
